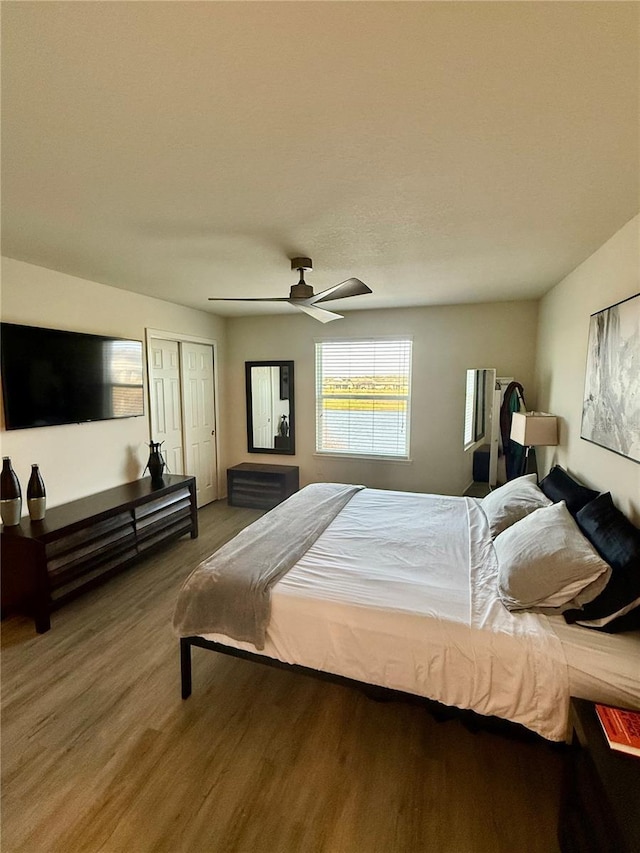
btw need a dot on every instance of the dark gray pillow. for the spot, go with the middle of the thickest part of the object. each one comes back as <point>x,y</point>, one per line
<point>617,540</point>
<point>560,486</point>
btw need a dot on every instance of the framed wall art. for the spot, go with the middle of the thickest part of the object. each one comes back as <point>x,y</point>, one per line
<point>611,404</point>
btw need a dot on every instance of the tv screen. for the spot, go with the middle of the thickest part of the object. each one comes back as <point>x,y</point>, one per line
<point>53,377</point>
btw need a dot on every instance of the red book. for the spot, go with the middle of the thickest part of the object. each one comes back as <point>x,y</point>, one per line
<point>622,728</point>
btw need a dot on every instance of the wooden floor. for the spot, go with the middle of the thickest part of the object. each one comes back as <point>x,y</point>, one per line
<point>478,490</point>
<point>99,752</point>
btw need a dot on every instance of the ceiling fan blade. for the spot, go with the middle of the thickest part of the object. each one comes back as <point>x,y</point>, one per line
<point>317,313</point>
<point>249,299</point>
<point>350,287</point>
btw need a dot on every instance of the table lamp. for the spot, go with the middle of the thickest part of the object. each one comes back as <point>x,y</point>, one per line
<point>531,429</point>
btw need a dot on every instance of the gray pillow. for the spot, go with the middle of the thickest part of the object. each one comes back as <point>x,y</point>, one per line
<point>546,564</point>
<point>511,502</point>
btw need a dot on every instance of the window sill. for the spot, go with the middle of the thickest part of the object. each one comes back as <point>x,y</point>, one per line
<point>476,444</point>
<point>357,457</point>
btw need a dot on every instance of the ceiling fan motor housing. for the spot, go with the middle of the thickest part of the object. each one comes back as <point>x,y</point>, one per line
<point>301,290</point>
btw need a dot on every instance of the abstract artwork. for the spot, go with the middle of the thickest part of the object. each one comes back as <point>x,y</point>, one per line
<point>611,407</point>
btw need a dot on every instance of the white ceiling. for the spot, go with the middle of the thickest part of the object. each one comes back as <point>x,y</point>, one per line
<point>441,152</point>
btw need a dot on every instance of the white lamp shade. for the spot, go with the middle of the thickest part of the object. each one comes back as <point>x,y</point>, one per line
<point>534,428</point>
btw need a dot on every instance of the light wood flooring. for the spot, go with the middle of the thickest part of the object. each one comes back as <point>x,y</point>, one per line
<point>99,753</point>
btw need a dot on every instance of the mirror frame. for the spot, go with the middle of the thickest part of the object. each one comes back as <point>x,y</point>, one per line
<point>292,416</point>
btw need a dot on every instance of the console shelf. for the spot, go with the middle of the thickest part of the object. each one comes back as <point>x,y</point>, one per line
<point>80,544</point>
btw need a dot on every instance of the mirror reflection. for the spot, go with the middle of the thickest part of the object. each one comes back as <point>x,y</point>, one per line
<point>270,411</point>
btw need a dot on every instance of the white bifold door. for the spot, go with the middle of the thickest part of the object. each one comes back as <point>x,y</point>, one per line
<point>181,391</point>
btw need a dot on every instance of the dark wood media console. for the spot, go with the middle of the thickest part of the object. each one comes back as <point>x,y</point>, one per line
<point>80,544</point>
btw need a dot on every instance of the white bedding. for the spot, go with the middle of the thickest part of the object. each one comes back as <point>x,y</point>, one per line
<point>601,667</point>
<point>400,591</point>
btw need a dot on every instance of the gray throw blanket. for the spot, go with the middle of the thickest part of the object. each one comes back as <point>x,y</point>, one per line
<point>230,592</point>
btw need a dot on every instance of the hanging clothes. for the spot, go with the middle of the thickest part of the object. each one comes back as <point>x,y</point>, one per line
<point>514,453</point>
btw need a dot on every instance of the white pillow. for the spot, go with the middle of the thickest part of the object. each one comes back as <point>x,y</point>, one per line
<point>511,502</point>
<point>546,564</point>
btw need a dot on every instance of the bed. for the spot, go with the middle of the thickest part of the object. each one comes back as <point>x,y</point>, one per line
<point>399,590</point>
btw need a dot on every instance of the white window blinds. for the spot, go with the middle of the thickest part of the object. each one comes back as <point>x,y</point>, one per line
<point>363,392</point>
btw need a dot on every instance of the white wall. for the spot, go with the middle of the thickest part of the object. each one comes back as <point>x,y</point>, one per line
<point>447,341</point>
<point>80,459</point>
<point>608,276</point>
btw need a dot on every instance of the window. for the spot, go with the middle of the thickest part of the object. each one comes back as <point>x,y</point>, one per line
<point>474,409</point>
<point>363,392</point>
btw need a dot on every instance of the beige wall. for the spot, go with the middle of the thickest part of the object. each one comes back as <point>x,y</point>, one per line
<point>608,276</point>
<point>80,459</point>
<point>447,341</point>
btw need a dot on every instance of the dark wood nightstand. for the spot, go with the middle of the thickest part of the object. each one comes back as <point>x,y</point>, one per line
<point>261,486</point>
<point>600,810</point>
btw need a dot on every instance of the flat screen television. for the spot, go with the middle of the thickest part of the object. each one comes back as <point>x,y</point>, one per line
<point>52,377</point>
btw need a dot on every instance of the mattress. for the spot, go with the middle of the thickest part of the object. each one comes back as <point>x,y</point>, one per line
<point>601,667</point>
<point>386,598</point>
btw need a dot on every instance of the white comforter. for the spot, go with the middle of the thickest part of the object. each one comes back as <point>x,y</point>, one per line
<point>400,591</point>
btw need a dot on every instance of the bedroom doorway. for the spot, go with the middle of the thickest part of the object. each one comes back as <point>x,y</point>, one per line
<point>182,407</point>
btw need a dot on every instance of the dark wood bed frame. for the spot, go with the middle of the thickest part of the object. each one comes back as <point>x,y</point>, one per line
<point>470,719</point>
<point>185,669</point>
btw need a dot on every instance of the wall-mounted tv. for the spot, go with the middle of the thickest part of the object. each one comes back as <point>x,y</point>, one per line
<point>52,377</point>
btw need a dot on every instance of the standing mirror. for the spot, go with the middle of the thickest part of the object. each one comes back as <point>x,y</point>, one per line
<point>482,422</point>
<point>270,410</point>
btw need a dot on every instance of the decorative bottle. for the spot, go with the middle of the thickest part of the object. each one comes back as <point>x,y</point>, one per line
<point>10,494</point>
<point>36,495</point>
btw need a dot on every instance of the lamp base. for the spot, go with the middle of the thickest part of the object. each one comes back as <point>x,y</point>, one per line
<point>529,462</point>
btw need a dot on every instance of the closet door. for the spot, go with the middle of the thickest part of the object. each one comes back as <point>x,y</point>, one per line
<point>199,418</point>
<point>166,401</point>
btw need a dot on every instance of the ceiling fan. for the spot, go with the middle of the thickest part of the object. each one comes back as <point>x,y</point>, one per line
<point>301,294</point>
